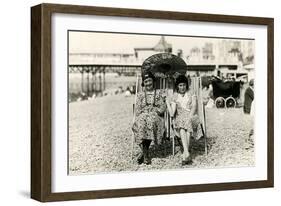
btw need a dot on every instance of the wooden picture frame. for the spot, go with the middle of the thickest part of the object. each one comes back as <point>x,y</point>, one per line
<point>41,101</point>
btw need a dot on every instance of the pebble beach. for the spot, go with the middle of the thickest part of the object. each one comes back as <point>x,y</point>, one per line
<point>100,139</point>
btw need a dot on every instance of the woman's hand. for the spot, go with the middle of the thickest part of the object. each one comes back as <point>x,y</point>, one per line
<point>150,109</point>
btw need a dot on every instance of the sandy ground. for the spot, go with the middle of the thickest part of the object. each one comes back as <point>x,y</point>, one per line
<point>100,139</point>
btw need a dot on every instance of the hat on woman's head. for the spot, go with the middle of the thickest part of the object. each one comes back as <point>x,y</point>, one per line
<point>147,75</point>
<point>182,79</point>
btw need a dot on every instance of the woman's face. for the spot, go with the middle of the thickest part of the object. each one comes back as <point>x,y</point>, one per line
<point>148,84</point>
<point>182,88</point>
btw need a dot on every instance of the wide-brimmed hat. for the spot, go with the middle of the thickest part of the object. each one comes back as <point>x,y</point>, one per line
<point>146,75</point>
<point>164,64</point>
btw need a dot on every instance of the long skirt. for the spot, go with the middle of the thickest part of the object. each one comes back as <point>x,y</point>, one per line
<point>149,126</point>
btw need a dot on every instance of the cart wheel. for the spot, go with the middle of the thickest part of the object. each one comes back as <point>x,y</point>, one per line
<point>220,102</point>
<point>230,102</point>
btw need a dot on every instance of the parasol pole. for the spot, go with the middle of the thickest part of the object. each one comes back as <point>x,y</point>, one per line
<point>203,117</point>
<point>134,117</point>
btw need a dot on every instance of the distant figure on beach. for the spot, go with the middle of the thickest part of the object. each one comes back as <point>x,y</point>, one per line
<point>249,97</point>
<point>127,92</point>
<point>249,102</point>
<point>150,108</point>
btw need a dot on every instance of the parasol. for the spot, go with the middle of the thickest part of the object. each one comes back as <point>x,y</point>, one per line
<point>164,65</point>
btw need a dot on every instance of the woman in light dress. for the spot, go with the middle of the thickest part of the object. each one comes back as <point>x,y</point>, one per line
<point>182,106</point>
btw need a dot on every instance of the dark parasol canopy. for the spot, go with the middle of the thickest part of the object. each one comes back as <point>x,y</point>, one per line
<point>164,65</point>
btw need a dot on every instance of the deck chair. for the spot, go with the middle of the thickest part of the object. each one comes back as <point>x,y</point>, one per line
<point>195,86</point>
<point>167,66</point>
<point>169,131</point>
<point>134,116</point>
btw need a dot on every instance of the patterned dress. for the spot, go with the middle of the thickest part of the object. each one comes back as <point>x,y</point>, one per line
<point>183,118</point>
<point>149,124</point>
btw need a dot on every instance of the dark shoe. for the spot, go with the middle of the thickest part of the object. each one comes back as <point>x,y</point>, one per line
<point>147,161</point>
<point>187,161</point>
<point>146,156</point>
<point>140,158</point>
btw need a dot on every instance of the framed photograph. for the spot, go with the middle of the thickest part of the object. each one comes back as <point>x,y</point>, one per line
<point>128,102</point>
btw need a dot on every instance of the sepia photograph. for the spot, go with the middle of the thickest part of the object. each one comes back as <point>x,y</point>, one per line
<point>132,102</point>
<point>150,102</point>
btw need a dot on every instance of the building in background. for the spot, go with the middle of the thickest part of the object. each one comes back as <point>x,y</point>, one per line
<point>162,46</point>
<point>227,58</point>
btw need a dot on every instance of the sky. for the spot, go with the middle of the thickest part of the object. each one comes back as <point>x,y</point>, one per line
<point>99,42</point>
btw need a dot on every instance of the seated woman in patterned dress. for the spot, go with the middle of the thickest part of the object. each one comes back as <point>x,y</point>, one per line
<point>182,106</point>
<point>150,106</point>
